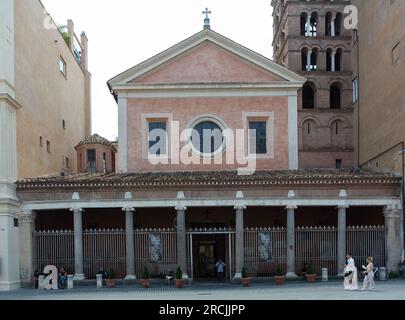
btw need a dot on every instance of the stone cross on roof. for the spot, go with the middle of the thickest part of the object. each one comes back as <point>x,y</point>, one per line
<point>207,19</point>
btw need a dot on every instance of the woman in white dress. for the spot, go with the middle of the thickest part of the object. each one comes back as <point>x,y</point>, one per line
<point>369,278</point>
<point>351,278</point>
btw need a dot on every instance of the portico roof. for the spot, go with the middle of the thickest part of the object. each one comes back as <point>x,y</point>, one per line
<point>210,178</point>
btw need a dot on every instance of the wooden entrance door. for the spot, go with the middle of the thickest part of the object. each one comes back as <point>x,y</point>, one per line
<point>207,250</point>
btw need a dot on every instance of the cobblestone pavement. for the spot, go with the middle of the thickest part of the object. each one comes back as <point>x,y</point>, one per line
<point>387,290</point>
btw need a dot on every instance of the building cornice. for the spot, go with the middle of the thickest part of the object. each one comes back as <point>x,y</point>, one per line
<point>10,100</point>
<point>213,179</point>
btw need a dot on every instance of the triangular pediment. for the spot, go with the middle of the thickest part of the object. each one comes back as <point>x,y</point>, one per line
<point>207,63</point>
<point>207,57</point>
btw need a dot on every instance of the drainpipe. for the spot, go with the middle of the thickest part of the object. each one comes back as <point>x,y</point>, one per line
<point>358,97</point>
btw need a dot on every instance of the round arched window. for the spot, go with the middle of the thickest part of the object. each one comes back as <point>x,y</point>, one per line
<point>207,138</point>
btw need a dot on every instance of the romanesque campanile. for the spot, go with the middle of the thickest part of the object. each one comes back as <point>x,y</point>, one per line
<point>310,39</point>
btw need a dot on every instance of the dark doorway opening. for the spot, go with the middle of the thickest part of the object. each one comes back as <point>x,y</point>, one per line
<point>207,250</point>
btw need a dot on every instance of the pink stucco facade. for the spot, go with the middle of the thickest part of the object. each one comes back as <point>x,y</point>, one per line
<point>186,110</point>
<point>207,78</point>
<point>208,63</point>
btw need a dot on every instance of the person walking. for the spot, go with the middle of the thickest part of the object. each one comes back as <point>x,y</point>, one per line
<point>350,278</point>
<point>368,282</point>
<point>220,267</point>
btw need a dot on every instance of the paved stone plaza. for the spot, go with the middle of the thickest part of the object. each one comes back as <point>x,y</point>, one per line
<point>389,290</point>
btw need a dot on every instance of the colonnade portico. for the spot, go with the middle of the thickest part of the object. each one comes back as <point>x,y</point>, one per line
<point>391,214</point>
<point>240,216</point>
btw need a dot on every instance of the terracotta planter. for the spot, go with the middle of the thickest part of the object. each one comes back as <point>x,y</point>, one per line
<point>245,282</point>
<point>310,277</point>
<point>145,283</point>
<point>279,280</point>
<point>110,283</point>
<point>179,283</point>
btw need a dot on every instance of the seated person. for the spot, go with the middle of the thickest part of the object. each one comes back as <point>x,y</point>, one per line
<point>36,278</point>
<point>304,270</point>
<point>62,277</point>
<point>170,275</point>
<point>103,273</point>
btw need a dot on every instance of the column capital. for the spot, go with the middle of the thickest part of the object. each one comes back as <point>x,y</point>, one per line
<point>180,208</point>
<point>291,207</point>
<point>392,211</point>
<point>26,216</point>
<point>240,207</point>
<point>76,209</point>
<point>129,209</point>
<point>343,206</point>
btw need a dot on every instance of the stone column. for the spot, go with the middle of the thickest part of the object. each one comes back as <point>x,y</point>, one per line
<point>309,59</point>
<point>78,232</point>
<point>332,27</point>
<point>27,228</point>
<point>333,61</point>
<point>392,216</point>
<point>341,230</point>
<point>291,242</point>
<point>308,26</point>
<point>129,234</point>
<point>239,241</point>
<point>181,240</point>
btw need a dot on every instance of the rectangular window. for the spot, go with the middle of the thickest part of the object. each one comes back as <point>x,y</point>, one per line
<point>355,90</point>
<point>157,138</point>
<point>339,163</point>
<point>91,160</point>
<point>258,137</point>
<point>41,142</point>
<point>62,66</point>
<point>48,146</point>
<point>67,163</point>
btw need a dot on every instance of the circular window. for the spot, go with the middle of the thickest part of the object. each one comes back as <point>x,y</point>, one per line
<point>207,138</point>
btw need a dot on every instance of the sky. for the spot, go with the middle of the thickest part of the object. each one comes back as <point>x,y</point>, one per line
<point>124,33</point>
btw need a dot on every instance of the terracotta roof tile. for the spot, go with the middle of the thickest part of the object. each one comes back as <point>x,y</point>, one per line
<point>95,139</point>
<point>311,176</point>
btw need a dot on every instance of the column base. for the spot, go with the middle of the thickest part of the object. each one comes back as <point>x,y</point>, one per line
<point>79,277</point>
<point>291,275</point>
<point>10,286</point>
<point>130,277</point>
<point>237,276</point>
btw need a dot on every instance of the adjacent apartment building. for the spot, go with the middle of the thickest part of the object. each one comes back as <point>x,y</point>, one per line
<point>309,38</point>
<point>378,87</point>
<point>379,82</point>
<point>44,108</point>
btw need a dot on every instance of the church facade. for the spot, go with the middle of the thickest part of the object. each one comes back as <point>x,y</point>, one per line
<point>207,169</point>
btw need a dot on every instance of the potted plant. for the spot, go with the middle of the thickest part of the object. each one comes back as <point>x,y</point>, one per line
<point>245,278</point>
<point>145,281</point>
<point>310,274</point>
<point>179,278</point>
<point>279,278</point>
<point>111,279</point>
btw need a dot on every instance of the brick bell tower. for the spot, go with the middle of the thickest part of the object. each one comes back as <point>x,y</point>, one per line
<point>310,39</point>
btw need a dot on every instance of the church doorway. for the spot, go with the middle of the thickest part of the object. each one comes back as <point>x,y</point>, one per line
<point>206,248</point>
